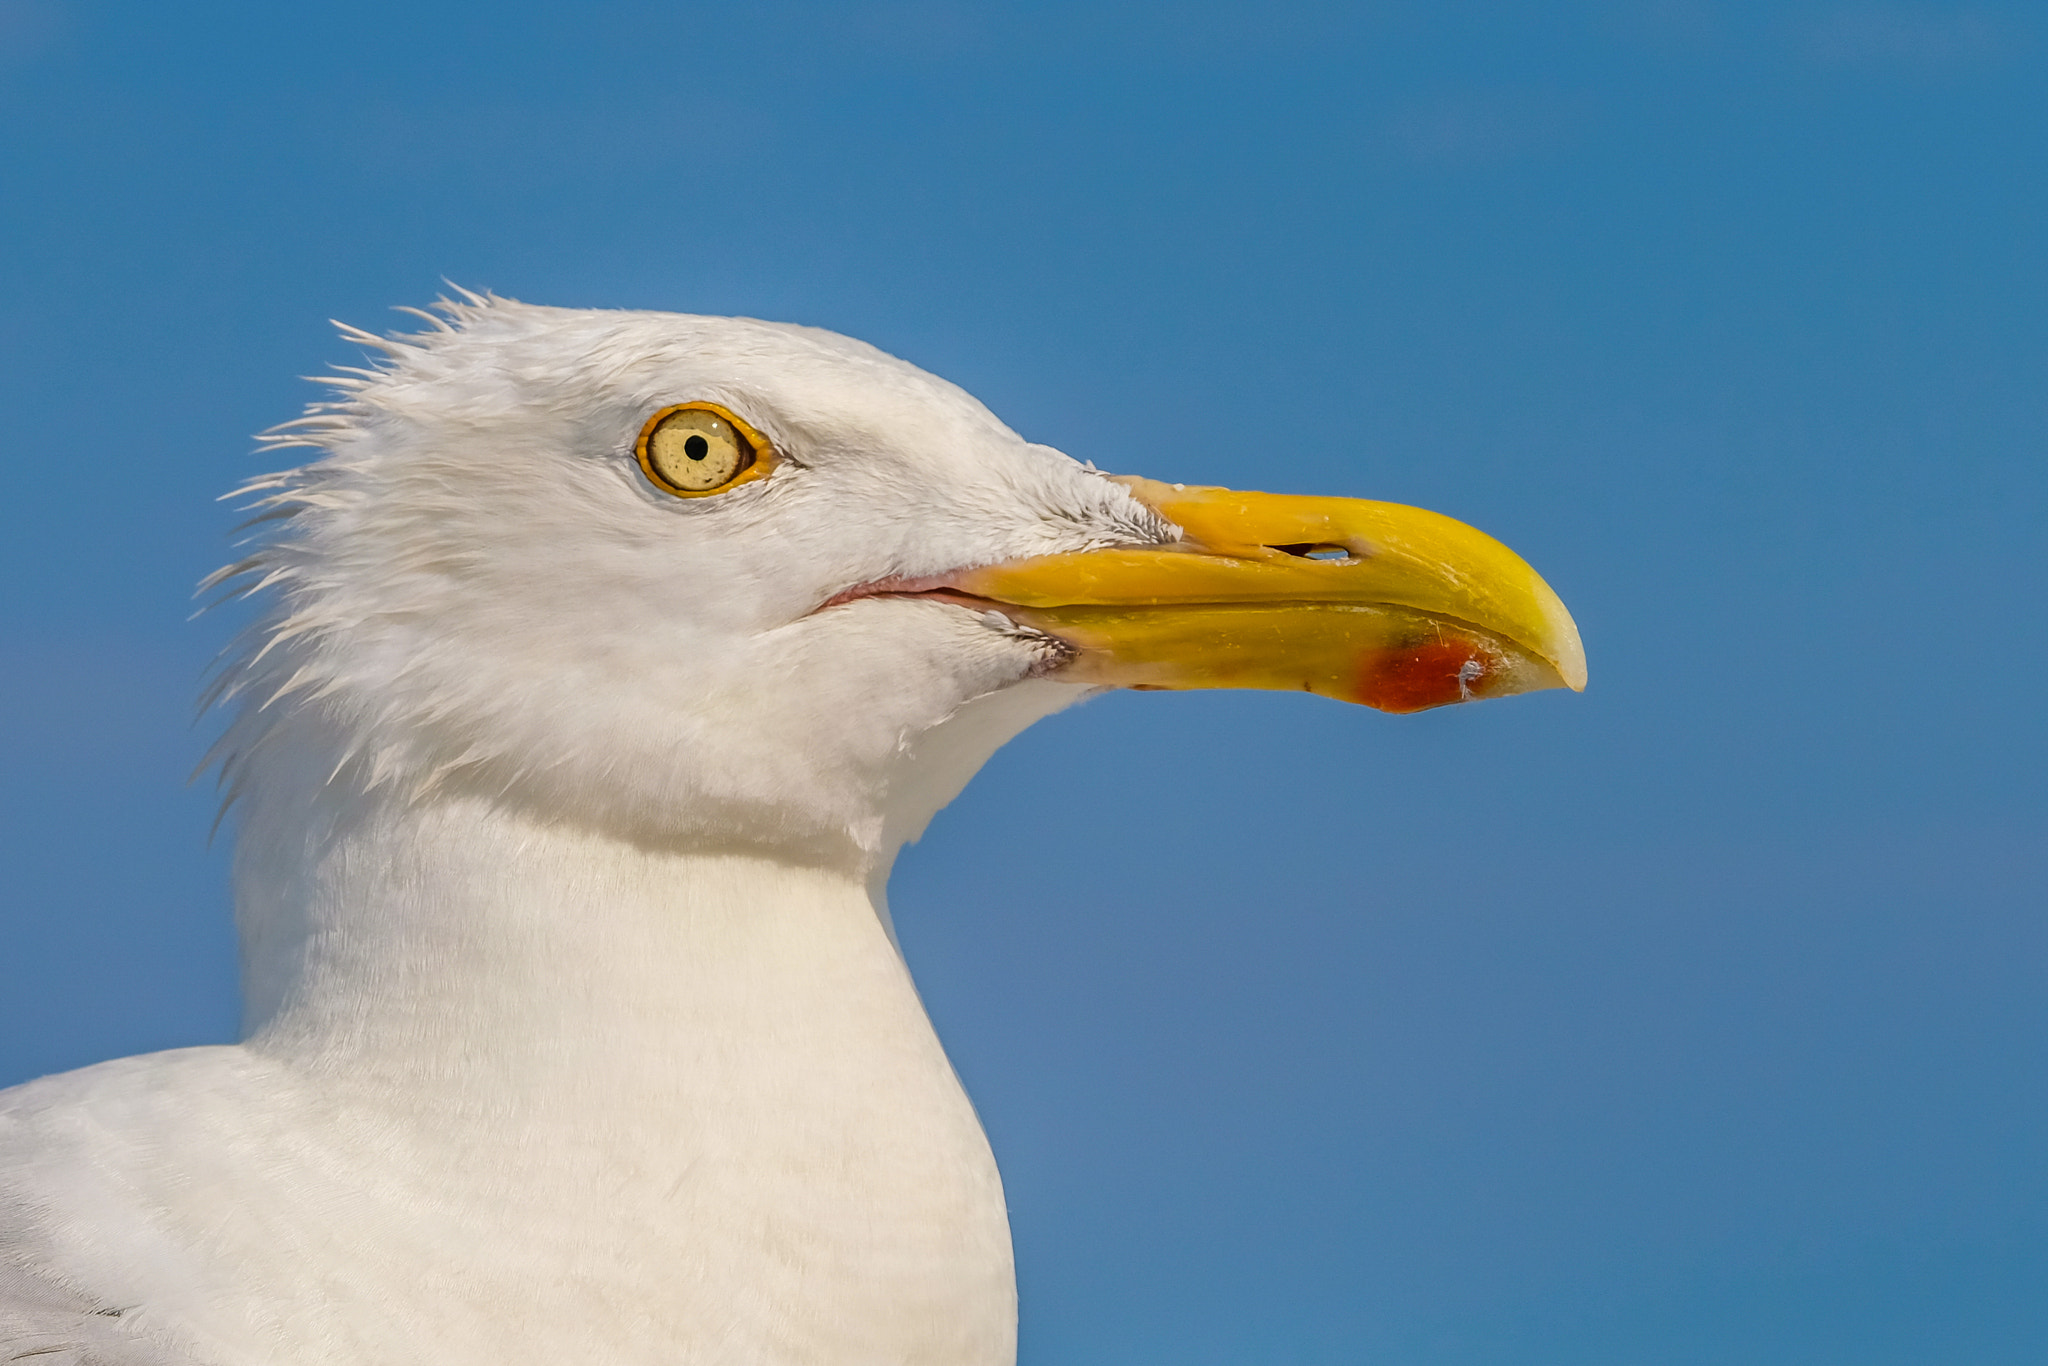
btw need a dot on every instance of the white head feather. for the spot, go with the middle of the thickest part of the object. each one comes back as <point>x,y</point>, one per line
<point>475,585</point>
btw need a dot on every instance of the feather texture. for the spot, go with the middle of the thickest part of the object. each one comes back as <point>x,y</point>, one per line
<point>575,1025</point>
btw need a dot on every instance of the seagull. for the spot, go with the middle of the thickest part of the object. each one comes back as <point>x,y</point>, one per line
<point>606,660</point>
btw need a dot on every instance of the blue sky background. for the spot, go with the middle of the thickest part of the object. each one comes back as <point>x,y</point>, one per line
<point>1699,1019</point>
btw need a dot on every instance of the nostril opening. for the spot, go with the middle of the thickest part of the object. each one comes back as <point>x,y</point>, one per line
<point>1313,550</point>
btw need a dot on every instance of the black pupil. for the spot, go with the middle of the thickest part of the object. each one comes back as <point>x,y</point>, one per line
<point>696,448</point>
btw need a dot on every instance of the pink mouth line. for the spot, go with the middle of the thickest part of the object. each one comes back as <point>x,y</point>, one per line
<point>932,587</point>
<point>938,588</point>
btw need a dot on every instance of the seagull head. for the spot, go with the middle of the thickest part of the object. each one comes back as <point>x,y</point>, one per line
<point>717,582</point>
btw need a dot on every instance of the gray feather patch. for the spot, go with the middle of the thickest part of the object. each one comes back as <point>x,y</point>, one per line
<point>42,1324</point>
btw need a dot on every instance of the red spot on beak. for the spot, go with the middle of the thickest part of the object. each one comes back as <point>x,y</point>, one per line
<point>1433,674</point>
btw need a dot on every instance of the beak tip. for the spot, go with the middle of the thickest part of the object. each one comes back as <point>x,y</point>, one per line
<point>1566,650</point>
<point>1571,667</point>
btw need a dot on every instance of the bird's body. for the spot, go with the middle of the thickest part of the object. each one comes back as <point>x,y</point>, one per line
<point>576,1028</point>
<point>717,1128</point>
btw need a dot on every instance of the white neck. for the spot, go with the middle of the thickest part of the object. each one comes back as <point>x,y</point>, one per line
<point>435,939</point>
<point>712,1066</point>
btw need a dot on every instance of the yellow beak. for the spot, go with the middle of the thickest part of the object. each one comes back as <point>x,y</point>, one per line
<point>1391,606</point>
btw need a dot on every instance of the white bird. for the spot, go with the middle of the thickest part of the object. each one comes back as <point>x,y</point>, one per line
<point>610,658</point>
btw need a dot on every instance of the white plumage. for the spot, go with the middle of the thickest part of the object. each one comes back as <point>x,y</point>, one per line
<point>575,1029</point>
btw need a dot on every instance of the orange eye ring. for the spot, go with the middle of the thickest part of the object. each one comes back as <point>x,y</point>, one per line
<point>698,450</point>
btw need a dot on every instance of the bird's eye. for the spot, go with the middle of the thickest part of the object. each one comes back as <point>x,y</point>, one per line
<point>693,449</point>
